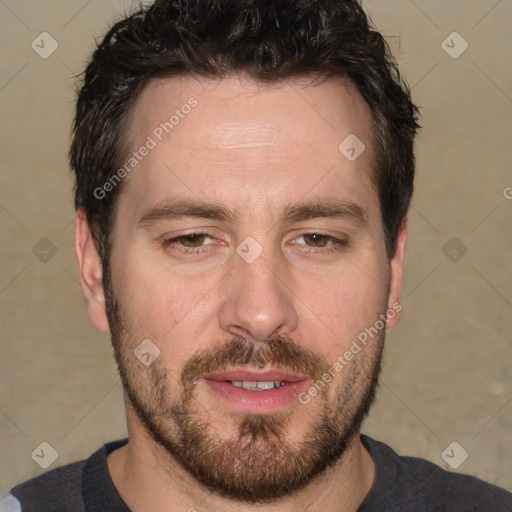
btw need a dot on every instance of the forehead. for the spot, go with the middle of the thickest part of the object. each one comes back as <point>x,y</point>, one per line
<point>234,111</point>
<point>274,140</point>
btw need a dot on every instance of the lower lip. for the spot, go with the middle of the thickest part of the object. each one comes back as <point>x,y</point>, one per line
<point>257,402</point>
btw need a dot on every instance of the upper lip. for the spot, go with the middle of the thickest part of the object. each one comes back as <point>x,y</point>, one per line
<point>256,376</point>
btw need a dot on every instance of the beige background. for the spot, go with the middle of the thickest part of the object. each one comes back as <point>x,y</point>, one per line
<point>446,375</point>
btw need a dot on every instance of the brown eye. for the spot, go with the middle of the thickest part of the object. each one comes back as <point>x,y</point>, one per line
<point>317,239</point>
<point>191,243</point>
<point>193,240</point>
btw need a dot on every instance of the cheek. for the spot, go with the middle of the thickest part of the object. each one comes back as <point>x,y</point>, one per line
<point>344,306</point>
<point>167,309</point>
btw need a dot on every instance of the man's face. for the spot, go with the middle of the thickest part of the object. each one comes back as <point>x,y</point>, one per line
<point>280,271</point>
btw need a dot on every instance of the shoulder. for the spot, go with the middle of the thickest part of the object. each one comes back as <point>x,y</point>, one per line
<point>453,491</point>
<point>424,486</point>
<point>51,491</point>
<point>67,487</point>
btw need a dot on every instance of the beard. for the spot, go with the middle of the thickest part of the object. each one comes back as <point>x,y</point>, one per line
<point>258,463</point>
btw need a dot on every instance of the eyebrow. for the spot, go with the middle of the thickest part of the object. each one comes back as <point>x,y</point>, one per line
<point>326,208</point>
<point>175,209</point>
<point>314,209</point>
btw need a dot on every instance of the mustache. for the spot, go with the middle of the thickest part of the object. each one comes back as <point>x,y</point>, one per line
<point>278,352</point>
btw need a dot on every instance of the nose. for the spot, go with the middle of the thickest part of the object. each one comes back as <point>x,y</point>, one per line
<point>258,300</point>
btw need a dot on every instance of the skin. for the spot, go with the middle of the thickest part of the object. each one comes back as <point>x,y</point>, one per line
<point>255,149</point>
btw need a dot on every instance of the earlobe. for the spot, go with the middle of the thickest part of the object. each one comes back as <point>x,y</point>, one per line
<point>91,272</point>
<point>397,269</point>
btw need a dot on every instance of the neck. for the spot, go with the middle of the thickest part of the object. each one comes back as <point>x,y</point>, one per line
<point>148,478</point>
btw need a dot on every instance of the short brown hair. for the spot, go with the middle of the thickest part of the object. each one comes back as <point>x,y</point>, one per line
<point>265,40</point>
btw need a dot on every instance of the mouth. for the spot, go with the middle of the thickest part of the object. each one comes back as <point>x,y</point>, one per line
<point>257,386</point>
<point>256,391</point>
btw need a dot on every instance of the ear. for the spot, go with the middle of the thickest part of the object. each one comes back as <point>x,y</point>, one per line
<point>397,269</point>
<point>91,272</point>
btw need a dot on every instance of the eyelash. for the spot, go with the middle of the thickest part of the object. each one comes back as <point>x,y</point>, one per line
<point>336,245</point>
<point>184,249</point>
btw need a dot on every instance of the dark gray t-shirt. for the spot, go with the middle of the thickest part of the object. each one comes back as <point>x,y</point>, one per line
<point>402,484</point>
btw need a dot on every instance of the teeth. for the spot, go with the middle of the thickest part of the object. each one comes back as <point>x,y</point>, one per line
<point>257,386</point>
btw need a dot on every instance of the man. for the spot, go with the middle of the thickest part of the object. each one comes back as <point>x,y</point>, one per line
<point>243,175</point>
